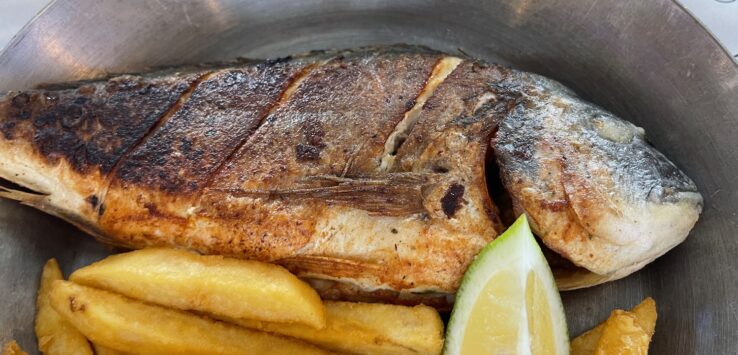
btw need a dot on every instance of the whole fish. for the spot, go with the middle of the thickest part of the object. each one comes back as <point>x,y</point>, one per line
<point>362,171</point>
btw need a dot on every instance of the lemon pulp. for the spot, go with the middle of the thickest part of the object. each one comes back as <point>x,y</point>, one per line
<point>494,323</point>
<point>540,324</point>
<point>508,302</point>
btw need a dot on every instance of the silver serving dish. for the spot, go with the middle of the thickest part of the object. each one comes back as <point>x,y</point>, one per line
<point>648,61</point>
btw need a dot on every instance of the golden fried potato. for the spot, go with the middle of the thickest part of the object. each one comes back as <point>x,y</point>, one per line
<point>54,334</point>
<point>366,328</point>
<point>12,348</point>
<point>645,317</point>
<point>118,322</point>
<point>210,284</point>
<point>101,350</point>
<point>586,343</point>
<point>645,313</point>
<point>622,335</point>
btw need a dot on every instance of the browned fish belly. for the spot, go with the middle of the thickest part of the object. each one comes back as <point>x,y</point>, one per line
<point>362,171</point>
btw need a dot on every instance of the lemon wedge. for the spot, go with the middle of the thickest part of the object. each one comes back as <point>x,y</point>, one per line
<point>508,302</point>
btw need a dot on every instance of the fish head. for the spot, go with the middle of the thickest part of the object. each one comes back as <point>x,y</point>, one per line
<point>595,190</point>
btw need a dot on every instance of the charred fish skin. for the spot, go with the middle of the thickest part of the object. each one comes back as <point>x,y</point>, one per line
<point>282,161</point>
<point>317,164</point>
<point>63,143</point>
<point>362,171</point>
<point>595,191</point>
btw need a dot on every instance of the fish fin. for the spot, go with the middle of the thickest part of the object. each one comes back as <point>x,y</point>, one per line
<point>345,290</point>
<point>576,278</point>
<point>315,265</point>
<point>395,194</point>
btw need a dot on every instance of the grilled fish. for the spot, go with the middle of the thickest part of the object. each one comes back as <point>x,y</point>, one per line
<point>362,171</point>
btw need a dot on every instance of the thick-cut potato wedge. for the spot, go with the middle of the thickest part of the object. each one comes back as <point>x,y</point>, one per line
<point>121,323</point>
<point>365,328</point>
<point>12,348</point>
<point>622,335</point>
<point>210,284</point>
<point>101,350</point>
<point>55,336</point>
<point>645,314</point>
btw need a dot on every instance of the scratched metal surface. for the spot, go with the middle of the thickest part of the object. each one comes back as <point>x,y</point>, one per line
<point>647,61</point>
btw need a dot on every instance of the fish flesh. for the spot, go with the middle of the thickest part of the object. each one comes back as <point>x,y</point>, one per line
<point>362,171</point>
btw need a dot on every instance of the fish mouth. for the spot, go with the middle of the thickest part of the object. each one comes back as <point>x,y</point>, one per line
<point>7,187</point>
<point>670,194</point>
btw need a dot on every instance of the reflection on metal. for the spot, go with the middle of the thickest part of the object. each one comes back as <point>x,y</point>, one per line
<point>219,16</point>
<point>521,11</point>
<point>59,54</point>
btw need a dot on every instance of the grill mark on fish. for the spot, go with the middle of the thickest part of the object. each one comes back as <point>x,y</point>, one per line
<point>440,72</point>
<point>364,158</point>
<point>170,171</point>
<point>92,124</point>
<point>160,122</point>
<point>167,114</point>
<point>320,264</point>
<point>334,103</point>
<point>223,113</point>
<point>337,108</point>
<point>294,83</point>
<point>298,80</point>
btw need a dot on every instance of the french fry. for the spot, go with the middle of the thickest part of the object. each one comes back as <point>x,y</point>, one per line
<point>586,343</point>
<point>645,317</point>
<point>366,328</point>
<point>118,322</point>
<point>101,350</point>
<point>622,335</point>
<point>12,348</point>
<point>209,284</point>
<point>54,334</point>
<point>645,313</point>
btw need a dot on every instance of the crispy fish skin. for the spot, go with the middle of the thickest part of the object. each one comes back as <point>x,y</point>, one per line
<point>363,171</point>
<point>594,190</point>
<point>63,144</point>
<point>281,161</point>
<point>314,169</point>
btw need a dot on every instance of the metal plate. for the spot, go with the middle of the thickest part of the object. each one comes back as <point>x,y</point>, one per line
<point>648,61</point>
